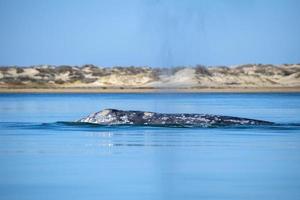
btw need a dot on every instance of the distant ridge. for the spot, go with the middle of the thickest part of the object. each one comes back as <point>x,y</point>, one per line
<point>91,76</point>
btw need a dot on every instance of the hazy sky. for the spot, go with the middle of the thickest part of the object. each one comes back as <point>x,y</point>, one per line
<point>149,32</point>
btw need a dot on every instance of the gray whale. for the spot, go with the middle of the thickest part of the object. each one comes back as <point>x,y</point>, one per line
<point>121,117</point>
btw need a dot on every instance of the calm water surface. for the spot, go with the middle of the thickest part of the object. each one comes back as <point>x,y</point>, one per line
<point>42,159</point>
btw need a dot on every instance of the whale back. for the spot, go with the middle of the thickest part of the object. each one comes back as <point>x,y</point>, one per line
<point>121,117</point>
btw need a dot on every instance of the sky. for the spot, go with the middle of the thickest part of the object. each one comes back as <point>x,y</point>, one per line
<point>152,33</point>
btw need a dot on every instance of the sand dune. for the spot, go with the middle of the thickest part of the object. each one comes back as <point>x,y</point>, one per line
<point>90,76</point>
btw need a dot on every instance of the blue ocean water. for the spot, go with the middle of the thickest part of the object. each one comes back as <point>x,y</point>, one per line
<point>43,159</point>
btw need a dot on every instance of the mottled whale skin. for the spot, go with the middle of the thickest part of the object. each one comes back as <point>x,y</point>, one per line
<point>121,117</point>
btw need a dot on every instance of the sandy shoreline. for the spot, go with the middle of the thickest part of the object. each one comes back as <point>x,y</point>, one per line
<point>150,90</point>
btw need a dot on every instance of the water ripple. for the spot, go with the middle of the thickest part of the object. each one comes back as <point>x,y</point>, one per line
<point>79,126</point>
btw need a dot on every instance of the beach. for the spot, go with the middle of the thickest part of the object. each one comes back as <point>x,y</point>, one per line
<point>150,90</point>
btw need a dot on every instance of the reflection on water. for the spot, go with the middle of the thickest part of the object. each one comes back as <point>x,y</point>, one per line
<point>42,159</point>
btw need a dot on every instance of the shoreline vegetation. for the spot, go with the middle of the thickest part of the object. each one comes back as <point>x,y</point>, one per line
<point>199,78</point>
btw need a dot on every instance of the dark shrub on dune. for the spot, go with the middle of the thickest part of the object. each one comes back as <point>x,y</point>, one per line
<point>63,69</point>
<point>100,72</point>
<point>202,70</point>
<point>59,81</point>
<point>10,80</point>
<point>155,73</point>
<point>76,76</point>
<point>19,70</point>
<point>135,70</point>
<point>89,66</point>
<point>88,80</point>
<point>47,70</point>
